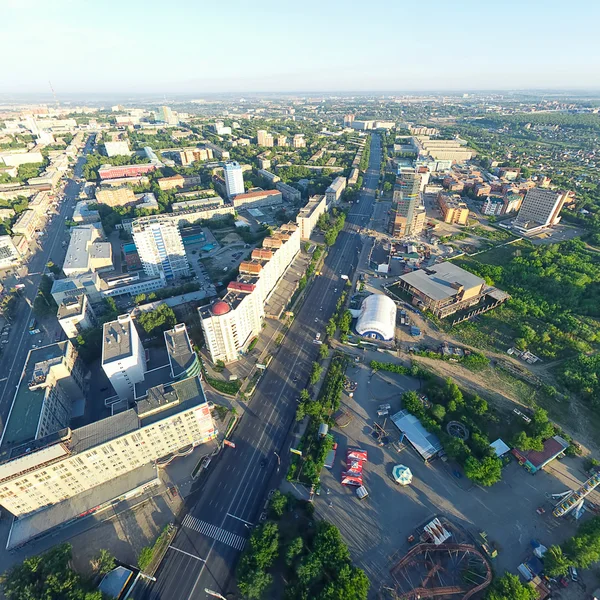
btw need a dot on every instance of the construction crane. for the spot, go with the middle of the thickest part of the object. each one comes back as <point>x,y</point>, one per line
<point>53,93</point>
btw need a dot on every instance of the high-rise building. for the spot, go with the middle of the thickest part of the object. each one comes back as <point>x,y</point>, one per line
<point>234,178</point>
<point>123,356</point>
<point>230,324</point>
<point>52,384</point>
<point>166,115</point>
<point>160,247</point>
<point>540,208</point>
<point>264,138</point>
<point>408,216</point>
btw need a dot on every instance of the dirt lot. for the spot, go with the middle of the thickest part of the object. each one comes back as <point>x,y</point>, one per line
<point>378,527</point>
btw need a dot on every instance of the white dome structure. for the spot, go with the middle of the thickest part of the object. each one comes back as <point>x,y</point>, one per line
<point>377,318</point>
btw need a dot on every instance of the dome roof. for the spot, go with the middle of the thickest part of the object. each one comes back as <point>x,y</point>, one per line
<point>377,318</point>
<point>220,308</point>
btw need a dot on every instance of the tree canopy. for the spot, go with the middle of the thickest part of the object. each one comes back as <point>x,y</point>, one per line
<point>48,577</point>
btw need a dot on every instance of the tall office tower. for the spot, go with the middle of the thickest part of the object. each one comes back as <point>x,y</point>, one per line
<point>234,179</point>
<point>166,115</point>
<point>408,216</point>
<point>160,247</point>
<point>540,208</point>
<point>123,356</point>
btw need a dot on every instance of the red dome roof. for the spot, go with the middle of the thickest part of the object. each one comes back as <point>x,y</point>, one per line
<point>220,308</point>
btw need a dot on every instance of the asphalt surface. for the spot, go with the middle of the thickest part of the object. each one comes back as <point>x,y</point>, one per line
<point>47,248</point>
<point>214,531</point>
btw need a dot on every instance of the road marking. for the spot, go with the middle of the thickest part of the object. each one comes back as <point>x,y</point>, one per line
<point>242,520</point>
<point>188,554</point>
<point>216,533</point>
<point>259,443</point>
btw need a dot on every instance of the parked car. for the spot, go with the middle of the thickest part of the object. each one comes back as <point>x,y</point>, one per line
<point>573,573</point>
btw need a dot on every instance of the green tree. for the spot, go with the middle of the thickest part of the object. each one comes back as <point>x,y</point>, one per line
<point>49,577</point>
<point>323,351</point>
<point>103,562</point>
<point>484,472</point>
<point>509,587</point>
<point>331,328</point>
<point>159,319</point>
<point>438,411</point>
<point>345,321</point>
<point>278,504</point>
<point>253,583</point>
<point>555,562</point>
<point>315,373</point>
<point>294,548</point>
<point>351,584</point>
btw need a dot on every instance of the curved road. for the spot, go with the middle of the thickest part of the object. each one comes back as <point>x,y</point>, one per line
<point>214,531</point>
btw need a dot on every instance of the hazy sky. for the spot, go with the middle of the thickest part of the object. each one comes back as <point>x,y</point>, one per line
<point>196,46</point>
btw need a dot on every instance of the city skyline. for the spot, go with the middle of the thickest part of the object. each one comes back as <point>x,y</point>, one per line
<point>189,50</point>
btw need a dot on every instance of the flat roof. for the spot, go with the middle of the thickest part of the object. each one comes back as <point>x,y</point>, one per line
<point>425,443</point>
<point>116,339</point>
<point>436,281</point>
<point>27,405</point>
<point>181,353</point>
<point>28,528</point>
<point>70,307</point>
<point>77,253</point>
<point>103,431</point>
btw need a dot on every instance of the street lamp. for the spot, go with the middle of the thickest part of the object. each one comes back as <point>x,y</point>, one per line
<point>278,460</point>
<point>215,594</point>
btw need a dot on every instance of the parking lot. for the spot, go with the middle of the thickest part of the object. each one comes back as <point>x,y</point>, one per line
<point>376,528</point>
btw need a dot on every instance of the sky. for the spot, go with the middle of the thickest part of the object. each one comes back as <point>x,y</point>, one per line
<point>201,46</point>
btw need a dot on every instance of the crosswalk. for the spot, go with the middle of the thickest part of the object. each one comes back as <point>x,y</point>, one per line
<point>214,532</point>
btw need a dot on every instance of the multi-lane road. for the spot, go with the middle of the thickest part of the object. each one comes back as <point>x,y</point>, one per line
<point>215,529</point>
<point>47,248</point>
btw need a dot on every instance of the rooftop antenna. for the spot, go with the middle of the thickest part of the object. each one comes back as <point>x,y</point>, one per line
<point>53,93</point>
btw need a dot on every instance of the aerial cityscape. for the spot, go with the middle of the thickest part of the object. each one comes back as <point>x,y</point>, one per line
<point>325,327</point>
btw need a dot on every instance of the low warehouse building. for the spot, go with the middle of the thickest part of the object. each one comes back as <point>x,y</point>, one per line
<point>377,318</point>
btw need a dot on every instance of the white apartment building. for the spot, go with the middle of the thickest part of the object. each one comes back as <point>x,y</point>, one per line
<point>492,206</point>
<point>234,178</point>
<point>334,192</point>
<point>308,216</point>
<point>9,255</point>
<point>56,473</point>
<point>75,314</point>
<point>160,247</point>
<point>541,208</point>
<point>298,141</point>
<point>230,324</point>
<point>123,356</point>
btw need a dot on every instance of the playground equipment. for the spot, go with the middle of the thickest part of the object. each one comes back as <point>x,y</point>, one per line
<point>574,500</point>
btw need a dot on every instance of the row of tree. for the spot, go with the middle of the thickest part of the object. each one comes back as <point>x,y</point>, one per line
<point>313,560</point>
<point>581,551</point>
